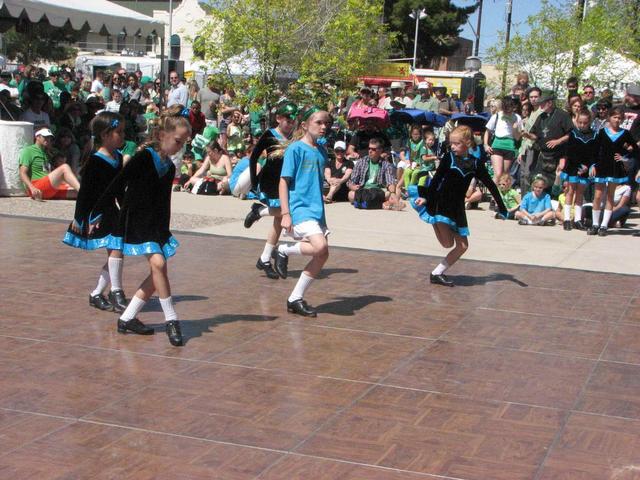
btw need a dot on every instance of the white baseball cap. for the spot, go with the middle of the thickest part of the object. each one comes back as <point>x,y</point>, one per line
<point>339,145</point>
<point>397,85</point>
<point>44,132</point>
<point>423,86</point>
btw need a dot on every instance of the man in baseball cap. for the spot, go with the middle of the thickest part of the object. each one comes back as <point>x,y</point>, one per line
<point>41,184</point>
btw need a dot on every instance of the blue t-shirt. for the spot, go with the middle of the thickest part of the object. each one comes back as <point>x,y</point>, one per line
<point>532,204</point>
<point>240,167</point>
<point>304,167</point>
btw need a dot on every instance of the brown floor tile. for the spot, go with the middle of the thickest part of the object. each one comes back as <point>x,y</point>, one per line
<point>632,314</point>
<point>439,434</point>
<point>589,282</point>
<point>489,373</point>
<point>239,405</point>
<point>18,429</point>
<point>595,448</point>
<point>295,467</point>
<point>614,389</point>
<point>537,333</point>
<point>84,451</point>
<point>624,345</point>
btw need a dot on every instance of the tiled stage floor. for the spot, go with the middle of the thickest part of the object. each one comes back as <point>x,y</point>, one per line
<point>510,375</point>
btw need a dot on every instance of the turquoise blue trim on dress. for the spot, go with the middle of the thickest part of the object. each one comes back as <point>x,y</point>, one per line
<point>148,248</point>
<point>277,134</point>
<point>110,242</point>
<point>455,166</point>
<point>269,202</point>
<point>574,179</point>
<point>583,139</point>
<point>111,161</point>
<point>610,179</point>
<point>613,136</point>
<point>162,167</point>
<point>431,219</point>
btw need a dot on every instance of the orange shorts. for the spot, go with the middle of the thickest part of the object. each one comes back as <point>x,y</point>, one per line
<point>49,192</point>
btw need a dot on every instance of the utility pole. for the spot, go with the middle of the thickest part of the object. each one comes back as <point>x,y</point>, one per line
<point>581,13</point>
<point>506,47</point>
<point>477,47</point>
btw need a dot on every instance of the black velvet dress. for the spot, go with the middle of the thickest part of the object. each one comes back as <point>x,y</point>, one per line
<point>608,170</point>
<point>268,180</point>
<point>446,191</point>
<point>146,208</point>
<point>582,149</point>
<point>98,174</point>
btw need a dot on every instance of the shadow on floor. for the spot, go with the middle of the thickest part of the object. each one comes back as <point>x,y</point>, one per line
<point>348,306</point>
<point>153,305</point>
<point>469,281</point>
<point>325,273</point>
<point>196,328</point>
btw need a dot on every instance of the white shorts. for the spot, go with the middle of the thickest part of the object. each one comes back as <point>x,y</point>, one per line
<point>243,184</point>
<point>306,229</point>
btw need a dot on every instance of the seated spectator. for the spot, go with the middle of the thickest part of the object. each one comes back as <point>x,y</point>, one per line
<point>61,183</point>
<point>35,113</point>
<point>510,197</point>
<point>216,168</point>
<point>65,146</point>
<point>359,144</point>
<point>240,180</point>
<point>337,174</point>
<point>373,172</point>
<point>473,196</point>
<point>535,208</point>
<point>621,207</point>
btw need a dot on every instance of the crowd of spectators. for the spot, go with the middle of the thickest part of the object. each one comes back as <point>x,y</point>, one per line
<point>524,136</point>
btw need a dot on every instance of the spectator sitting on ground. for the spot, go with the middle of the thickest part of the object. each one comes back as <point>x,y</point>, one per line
<point>359,144</point>
<point>373,172</point>
<point>61,183</point>
<point>65,146</point>
<point>216,167</point>
<point>473,196</point>
<point>337,174</point>
<point>535,208</point>
<point>510,197</point>
<point>621,207</point>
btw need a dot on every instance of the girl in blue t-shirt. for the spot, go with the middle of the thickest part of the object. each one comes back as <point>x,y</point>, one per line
<point>302,206</point>
<point>535,208</point>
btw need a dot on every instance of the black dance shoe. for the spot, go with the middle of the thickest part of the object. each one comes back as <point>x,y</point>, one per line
<point>99,302</point>
<point>253,216</point>
<point>441,280</point>
<point>118,301</point>
<point>174,333</point>
<point>592,231</point>
<point>134,326</point>
<point>300,307</point>
<point>566,225</point>
<point>267,269</point>
<point>579,225</point>
<point>602,232</point>
<point>281,264</point>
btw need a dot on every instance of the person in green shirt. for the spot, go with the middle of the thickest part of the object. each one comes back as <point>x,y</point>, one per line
<point>41,184</point>
<point>52,88</point>
<point>510,197</point>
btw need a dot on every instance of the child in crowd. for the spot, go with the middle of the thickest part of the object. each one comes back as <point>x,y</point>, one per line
<point>115,103</point>
<point>145,216</point>
<point>442,203</point>
<point>535,208</point>
<point>581,154</point>
<point>506,128</point>
<point>614,145</point>
<point>302,207</point>
<point>510,197</point>
<point>100,170</point>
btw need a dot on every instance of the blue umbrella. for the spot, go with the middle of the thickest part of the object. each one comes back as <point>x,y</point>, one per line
<point>417,116</point>
<point>475,122</point>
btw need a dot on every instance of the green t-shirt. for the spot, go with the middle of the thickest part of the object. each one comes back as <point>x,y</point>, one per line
<point>510,199</point>
<point>53,91</point>
<point>374,169</point>
<point>129,148</point>
<point>35,159</point>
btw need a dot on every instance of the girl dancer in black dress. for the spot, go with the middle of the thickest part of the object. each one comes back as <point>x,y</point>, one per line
<point>614,144</point>
<point>268,179</point>
<point>102,167</point>
<point>442,202</point>
<point>145,216</point>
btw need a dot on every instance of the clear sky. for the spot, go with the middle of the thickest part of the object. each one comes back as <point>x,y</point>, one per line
<point>494,19</point>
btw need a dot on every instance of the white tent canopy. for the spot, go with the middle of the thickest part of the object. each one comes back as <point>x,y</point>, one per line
<point>99,15</point>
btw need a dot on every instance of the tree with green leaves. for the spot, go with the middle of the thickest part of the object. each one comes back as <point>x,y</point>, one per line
<point>320,40</point>
<point>562,42</point>
<point>39,42</point>
<point>437,33</point>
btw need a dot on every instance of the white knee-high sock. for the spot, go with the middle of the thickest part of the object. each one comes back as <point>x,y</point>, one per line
<point>293,249</point>
<point>577,215</point>
<point>441,268</point>
<point>264,212</point>
<point>133,309</point>
<point>567,212</point>
<point>266,253</point>
<point>167,308</point>
<point>103,281</point>
<point>595,217</point>
<point>606,218</point>
<point>115,273</point>
<point>303,283</point>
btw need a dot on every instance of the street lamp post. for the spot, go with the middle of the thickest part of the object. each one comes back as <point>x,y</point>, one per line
<point>418,14</point>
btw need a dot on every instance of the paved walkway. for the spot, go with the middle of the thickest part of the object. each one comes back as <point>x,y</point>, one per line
<point>508,376</point>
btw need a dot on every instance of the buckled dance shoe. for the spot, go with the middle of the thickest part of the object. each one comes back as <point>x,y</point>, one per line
<point>134,326</point>
<point>118,301</point>
<point>99,302</point>
<point>440,280</point>
<point>300,307</point>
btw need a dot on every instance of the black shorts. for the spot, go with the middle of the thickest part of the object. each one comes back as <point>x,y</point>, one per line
<point>506,154</point>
